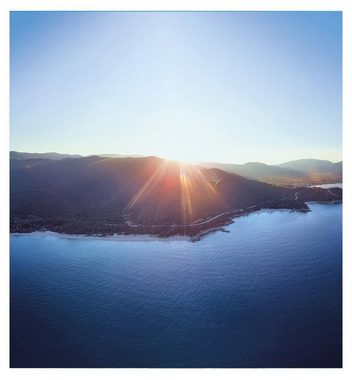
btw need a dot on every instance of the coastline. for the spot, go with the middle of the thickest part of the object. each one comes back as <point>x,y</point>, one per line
<point>129,232</point>
<point>328,185</point>
<point>149,237</point>
<point>115,237</point>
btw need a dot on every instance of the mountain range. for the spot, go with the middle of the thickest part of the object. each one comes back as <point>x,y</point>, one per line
<point>49,155</point>
<point>303,172</point>
<point>139,195</point>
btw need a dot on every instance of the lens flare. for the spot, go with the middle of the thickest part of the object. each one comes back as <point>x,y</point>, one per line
<point>179,192</point>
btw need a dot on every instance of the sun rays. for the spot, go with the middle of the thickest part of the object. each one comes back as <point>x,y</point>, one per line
<point>186,189</point>
<point>149,185</point>
<point>183,191</point>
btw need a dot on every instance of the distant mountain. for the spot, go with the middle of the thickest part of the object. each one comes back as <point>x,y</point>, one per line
<point>49,155</point>
<point>312,166</point>
<point>138,195</point>
<point>119,155</point>
<point>293,173</point>
<point>255,170</point>
<point>302,172</point>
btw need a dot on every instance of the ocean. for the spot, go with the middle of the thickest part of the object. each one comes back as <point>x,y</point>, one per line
<point>268,293</point>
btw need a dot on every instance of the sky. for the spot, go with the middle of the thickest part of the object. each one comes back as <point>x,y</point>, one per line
<point>192,86</point>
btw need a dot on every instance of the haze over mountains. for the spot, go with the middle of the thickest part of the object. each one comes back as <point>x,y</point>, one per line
<point>303,172</point>
<point>49,155</point>
<point>137,194</point>
<point>57,156</point>
<point>310,166</point>
<point>292,173</point>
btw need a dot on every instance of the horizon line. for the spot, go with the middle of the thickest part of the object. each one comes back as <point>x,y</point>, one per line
<point>123,155</point>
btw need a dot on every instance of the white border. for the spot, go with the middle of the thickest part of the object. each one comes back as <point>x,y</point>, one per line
<point>5,7</point>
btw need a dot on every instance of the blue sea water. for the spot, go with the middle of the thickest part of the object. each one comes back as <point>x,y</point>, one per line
<point>267,294</point>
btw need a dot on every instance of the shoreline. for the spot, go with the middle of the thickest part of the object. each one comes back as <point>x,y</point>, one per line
<point>230,218</point>
<point>115,237</point>
<point>148,237</point>
<point>328,185</point>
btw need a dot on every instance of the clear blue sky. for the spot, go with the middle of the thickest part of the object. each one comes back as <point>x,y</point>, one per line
<point>223,86</point>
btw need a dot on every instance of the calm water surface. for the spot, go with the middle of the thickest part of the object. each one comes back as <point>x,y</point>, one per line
<point>267,294</point>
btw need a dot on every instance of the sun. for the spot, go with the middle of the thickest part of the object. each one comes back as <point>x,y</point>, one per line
<point>182,158</point>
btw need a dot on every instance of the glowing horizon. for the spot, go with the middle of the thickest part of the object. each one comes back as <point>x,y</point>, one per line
<point>229,87</point>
